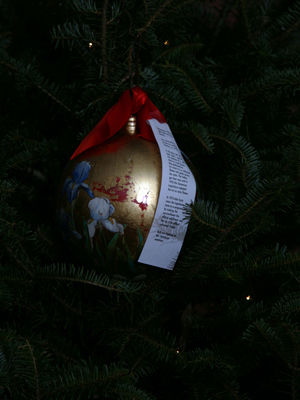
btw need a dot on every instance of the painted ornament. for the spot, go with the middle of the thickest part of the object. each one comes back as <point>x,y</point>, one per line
<point>109,190</point>
<point>108,200</point>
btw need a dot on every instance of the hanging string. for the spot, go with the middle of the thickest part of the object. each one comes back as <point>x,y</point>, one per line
<point>137,70</point>
<point>130,81</point>
<point>133,59</point>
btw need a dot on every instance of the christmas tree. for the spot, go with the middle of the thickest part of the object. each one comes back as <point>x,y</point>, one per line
<point>224,323</point>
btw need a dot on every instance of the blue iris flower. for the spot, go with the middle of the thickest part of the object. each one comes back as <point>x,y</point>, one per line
<point>75,182</point>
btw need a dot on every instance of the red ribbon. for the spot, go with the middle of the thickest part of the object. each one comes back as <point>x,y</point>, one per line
<point>117,116</point>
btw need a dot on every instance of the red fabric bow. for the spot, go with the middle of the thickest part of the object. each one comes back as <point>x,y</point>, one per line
<point>117,116</point>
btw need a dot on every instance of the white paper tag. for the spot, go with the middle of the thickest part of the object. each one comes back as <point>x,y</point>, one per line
<point>178,187</point>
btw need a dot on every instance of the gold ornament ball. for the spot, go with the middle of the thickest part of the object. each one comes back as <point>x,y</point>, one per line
<point>107,200</point>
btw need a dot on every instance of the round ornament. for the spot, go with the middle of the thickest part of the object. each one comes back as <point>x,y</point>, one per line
<point>108,198</point>
<point>109,191</point>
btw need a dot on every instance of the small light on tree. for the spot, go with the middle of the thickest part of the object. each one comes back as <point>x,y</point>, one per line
<point>90,44</point>
<point>248,298</point>
<point>166,43</point>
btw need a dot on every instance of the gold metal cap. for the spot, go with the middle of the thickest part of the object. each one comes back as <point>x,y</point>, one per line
<point>131,127</point>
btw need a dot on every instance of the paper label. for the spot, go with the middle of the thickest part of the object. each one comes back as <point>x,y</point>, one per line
<point>178,188</point>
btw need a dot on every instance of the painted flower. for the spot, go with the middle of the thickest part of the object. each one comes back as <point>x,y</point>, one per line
<point>101,211</point>
<point>65,222</point>
<point>76,181</point>
<point>100,208</point>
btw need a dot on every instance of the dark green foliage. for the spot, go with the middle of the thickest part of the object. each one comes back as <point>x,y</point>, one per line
<point>225,323</point>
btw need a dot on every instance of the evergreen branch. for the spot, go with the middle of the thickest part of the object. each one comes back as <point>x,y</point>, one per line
<point>130,19</point>
<point>248,210</point>
<point>125,342</point>
<point>85,6</point>
<point>200,359</point>
<point>12,224</point>
<point>98,99</point>
<point>44,90</point>
<point>192,86</point>
<point>293,275</point>
<point>131,392</point>
<point>6,34</point>
<point>146,8</point>
<point>20,280</point>
<point>8,187</point>
<point>137,362</point>
<point>137,59</point>
<point>203,143</point>
<point>250,169</point>
<point>287,79</point>
<point>272,345</point>
<point>150,318</point>
<point>288,261</point>
<point>158,345</point>
<point>34,151</point>
<point>61,354</point>
<point>84,281</point>
<point>195,390</point>
<point>230,143</point>
<point>143,322</point>
<point>103,41</point>
<point>19,372</point>
<point>246,22</point>
<point>234,110</point>
<point>244,166</point>
<point>160,342</point>
<point>154,17</point>
<point>192,271</point>
<point>233,392</point>
<point>70,38</point>
<point>130,65</point>
<point>249,203</point>
<point>249,233</point>
<point>116,13</point>
<point>285,307</point>
<point>288,21</point>
<point>72,32</point>
<point>90,278</point>
<point>16,161</point>
<point>18,261</point>
<point>35,371</point>
<point>293,28</point>
<point>67,306</point>
<point>164,98</point>
<point>202,222</point>
<point>44,237</point>
<point>296,352</point>
<point>183,4</point>
<point>255,196</point>
<point>79,380</point>
<point>201,133</point>
<point>27,76</point>
<point>178,49</point>
<point>8,65</point>
<point>219,25</point>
